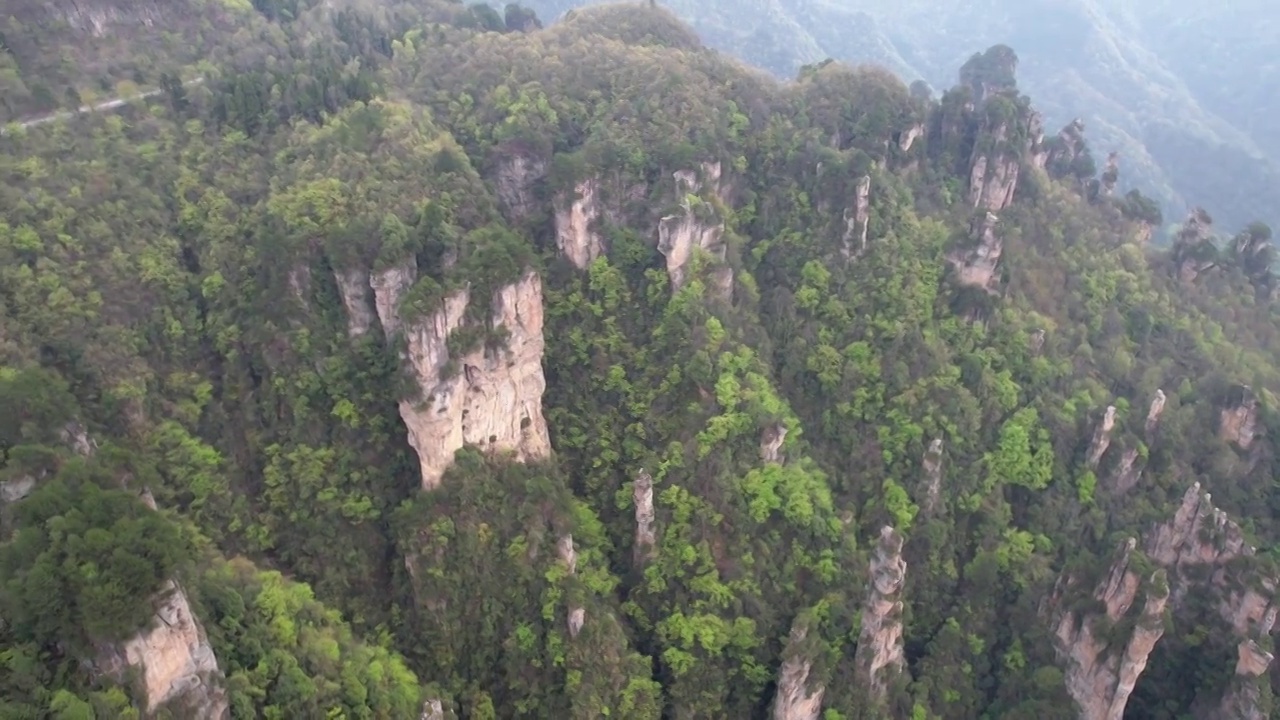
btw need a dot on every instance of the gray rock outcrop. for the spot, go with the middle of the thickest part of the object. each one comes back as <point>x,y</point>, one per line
<point>880,656</point>
<point>977,266</point>
<point>646,535</point>
<point>797,698</point>
<point>173,659</point>
<point>695,228</point>
<point>488,396</point>
<point>577,219</point>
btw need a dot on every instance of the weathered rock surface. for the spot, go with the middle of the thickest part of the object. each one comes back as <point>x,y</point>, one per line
<point>1101,438</point>
<point>1110,175</point>
<point>1099,677</point>
<point>1128,472</point>
<point>577,234</point>
<point>880,656</point>
<point>432,709</point>
<point>771,441</point>
<point>646,536</point>
<point>488,396</point>
<point>931,500</point>
<point>857,218</point>
<point>99,18</point>
<point>354,287</point>
<point>907,138</point>
<point>797,698</point>
<point>1193,247</point>
<point>1239,419</point>
<point>1153,414</point>
<point>1198,551</point>
<point>569,557</point>
<point>516,179</point>
<point>1069,147</point>
<point>696,228</point>
<point>977,265</point>
<point>300,284</point>
<point>389,288</point>
<point>993,180</point>
<point>173,659</point>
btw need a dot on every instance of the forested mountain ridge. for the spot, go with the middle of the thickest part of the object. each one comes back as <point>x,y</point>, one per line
<point>1179,88</point>
<point>587,372</point>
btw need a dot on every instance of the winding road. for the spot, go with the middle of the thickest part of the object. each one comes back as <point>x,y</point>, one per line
<point>107,105</point>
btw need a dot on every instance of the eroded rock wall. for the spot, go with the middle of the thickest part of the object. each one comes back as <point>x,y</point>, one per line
<point>173,659</point>
<point>880,656</point>
<point>695,228</point>
<point>487,396</point>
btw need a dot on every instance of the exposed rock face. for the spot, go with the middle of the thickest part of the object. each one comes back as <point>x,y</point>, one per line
<point>931,502</point>
<point>1154,413</point>
<point>993,179</point>
<point>907,138</point>
<point>796,698</point>
<point>856,222</point>
<point>432,709</point>
<point>12,491</point>
<point>771,443</point>
<point>977,266</point>
<point>1110,175</point>
<point>1239,420</point>
<point>389,288</point>
<point>568,556</point>
<point>1198,550</point>
<point>1101,438</point>
<point>1128,472</point>
<point>354,287</point>
<point>576,233</point>
<point>1069,148</point>
<point>517,176</point>
<point>1037,153</point>
<point>1036,343</point>
<point>489,397</point>
<point>1101,678</point>
<point>880,654</point>
<point>300,284</point>
<point>696,227</point>
<point>173,659</point>
<point>646,536</point>
<point>77,438</point>
<point>98,18</point>
<point>1193,247</point>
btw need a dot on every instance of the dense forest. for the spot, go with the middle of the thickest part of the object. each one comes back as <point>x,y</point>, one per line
<point>411,359</point>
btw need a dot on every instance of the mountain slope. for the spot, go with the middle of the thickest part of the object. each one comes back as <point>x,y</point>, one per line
<point>1178,90</point>
<point>601,375</point>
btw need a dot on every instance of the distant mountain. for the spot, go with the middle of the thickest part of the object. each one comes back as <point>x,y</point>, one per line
<point>1183,90</point>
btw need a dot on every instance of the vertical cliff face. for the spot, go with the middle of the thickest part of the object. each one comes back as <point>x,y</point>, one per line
<point>1194,249</point>
<point>577,233</point>
<point>880,655</point>
<point>389,288</point>
<point>1101,438</point>
<point>993,178</point>
<point>488,396</point>
<point>696,227</point>
<point>797,698</point>
<point>1153,415</point>
<point>771,440</point>
<point>857,219</point>
<point>907,138</point>
<point>1238,421</point>
<point>646,535</point>
<point>173,660</point>
<point>569,557</point>
<point>1244,698</point>
<point>100,18</point>
<point>354,287</point>
<point>1198,553</point>
<point>518,174</point>
<point>1101,677</point>
<point>977,265</point>
<point>931,497</point>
